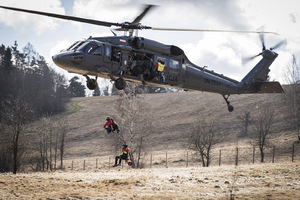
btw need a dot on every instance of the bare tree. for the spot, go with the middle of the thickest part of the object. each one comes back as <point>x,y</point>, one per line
<point>292,97</point>
<point>133,111</point>
<point>16,114</point>
<point>5,149</point>
<point>61,139</point>
<point>203,136</point>
<point>43,136</point>
<point>51,134</point>
<point>245,119</point>
<point>262,129</point>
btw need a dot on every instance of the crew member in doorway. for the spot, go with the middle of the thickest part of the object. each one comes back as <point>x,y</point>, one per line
<point>124,155</point>
<point>110,125</point>
<point>160,68</point>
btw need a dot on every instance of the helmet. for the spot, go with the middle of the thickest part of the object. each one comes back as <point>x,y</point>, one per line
<point>124,145</point>
<point>107,118</point>
<point>159,60</point>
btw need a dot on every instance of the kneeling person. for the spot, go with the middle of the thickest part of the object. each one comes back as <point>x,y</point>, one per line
<point>124,155</point>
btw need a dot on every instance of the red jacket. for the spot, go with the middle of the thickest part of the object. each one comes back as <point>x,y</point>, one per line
<point>108,123</point>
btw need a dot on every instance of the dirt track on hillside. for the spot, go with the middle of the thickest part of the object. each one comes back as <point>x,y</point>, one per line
<point>261,181</point>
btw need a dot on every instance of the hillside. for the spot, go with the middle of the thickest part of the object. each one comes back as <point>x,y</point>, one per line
<point>89,155</point>
<point>172,114</point>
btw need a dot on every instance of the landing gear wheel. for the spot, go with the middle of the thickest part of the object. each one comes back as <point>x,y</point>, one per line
<point>91,83</point>
<point>120,83</point>
<point>230,108</point>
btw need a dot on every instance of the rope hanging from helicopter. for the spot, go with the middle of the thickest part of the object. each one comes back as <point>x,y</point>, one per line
<point>121,107</point>
<point>123,118</point>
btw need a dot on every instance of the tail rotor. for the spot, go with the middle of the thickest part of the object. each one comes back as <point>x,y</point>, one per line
<point>262,40</point>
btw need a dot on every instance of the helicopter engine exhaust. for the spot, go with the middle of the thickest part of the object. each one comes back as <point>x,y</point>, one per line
<point>151,45</point>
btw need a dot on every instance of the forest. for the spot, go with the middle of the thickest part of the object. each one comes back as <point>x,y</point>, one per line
<point>29,90</point>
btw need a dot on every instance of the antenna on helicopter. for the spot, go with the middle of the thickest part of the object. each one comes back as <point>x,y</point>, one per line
<point>113,32</point>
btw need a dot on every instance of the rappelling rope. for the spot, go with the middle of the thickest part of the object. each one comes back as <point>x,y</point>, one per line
<point>123,114</point>
<point>111,107</point>
<point>123,118</point>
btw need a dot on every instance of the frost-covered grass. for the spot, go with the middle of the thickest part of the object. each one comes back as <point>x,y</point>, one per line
<point>259,181</point>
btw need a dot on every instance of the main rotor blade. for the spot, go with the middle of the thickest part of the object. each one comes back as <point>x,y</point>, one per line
<point>126,26</point>
<point>262,39</point>
<point>209,30</point>
<point>279,45</point>
<point>65,17</point>
<point>140,17</point>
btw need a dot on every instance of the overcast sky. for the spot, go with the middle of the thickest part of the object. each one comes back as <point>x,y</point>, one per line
<point>221,52</point>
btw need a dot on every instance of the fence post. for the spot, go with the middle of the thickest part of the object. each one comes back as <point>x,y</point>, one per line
<point>83,164</point>
<point>237,157</point>
<point>220,154</point>
<point>108,162</point>
<point>253,156</point>
<point>293,152</point>
<point>96,163</point>
<point>166,160</point>
<point>72,166</point>
<point>187,159</point>
<point>273,157</point>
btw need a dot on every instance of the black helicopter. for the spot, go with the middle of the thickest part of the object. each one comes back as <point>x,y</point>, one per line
<point>132,59</point>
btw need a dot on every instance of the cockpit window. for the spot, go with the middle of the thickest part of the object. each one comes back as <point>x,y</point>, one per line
<point>94,49</point>
<point>82,46</point>
<point>75,46</point>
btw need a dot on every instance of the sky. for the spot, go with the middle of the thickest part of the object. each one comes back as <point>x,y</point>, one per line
<point>221,52</point>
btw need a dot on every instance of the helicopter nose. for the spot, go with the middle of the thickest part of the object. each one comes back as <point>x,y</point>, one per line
<point>61,60</point>
<point>56,59</point>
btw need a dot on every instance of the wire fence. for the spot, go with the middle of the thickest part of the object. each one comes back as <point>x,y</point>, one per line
<point>225,156</point>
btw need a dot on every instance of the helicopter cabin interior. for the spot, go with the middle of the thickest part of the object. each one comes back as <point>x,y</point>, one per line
<point>141,65</point>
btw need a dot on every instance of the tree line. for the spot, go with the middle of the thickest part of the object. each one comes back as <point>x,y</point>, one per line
<point>30,90</point>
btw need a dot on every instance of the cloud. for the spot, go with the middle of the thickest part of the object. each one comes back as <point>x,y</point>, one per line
<point>24,21</point>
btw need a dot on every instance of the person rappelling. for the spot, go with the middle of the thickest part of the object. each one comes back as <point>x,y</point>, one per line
<point>110,125</point>
<point>124,156</point>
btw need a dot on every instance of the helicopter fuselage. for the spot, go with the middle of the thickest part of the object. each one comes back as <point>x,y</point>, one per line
<point>134,58</point>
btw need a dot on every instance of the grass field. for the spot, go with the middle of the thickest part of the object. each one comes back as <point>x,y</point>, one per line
<point>259,181</point>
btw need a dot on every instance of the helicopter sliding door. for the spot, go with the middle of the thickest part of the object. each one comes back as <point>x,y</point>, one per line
<point>172,71</point>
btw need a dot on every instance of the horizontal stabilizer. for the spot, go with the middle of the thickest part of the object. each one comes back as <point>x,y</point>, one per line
<point>269,87</point>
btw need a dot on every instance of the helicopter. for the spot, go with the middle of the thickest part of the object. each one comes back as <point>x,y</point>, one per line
<point>132,59</point>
